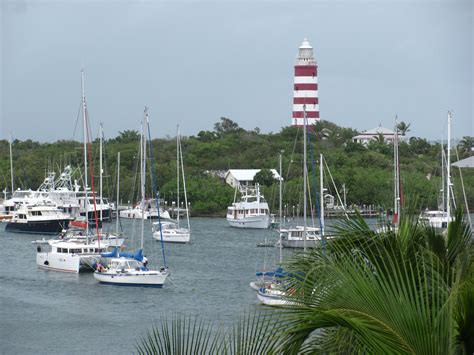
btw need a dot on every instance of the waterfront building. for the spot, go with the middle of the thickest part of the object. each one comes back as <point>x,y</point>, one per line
<point>244,177</point>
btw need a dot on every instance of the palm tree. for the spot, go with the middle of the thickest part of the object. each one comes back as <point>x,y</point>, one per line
<point>409,291</point>
<point>466,144</point>
<point>406,292</point>
<point>403,128</point>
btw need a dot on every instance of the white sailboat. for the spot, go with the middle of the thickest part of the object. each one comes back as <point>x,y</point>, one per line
<point>171,232</point>
<point>125,269</point>
<point>440,219</point>
<point>279,293</point>
<point>76,252</point>
<point>304,236</point>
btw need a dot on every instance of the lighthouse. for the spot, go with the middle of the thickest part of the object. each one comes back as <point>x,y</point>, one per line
<point>305,90</point>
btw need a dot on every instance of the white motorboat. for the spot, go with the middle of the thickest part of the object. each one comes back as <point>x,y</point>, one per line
<point>251,212</point>
<point>125,271</point>
<point>40,218</point>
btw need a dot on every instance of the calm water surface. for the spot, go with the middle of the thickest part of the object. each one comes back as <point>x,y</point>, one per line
<point>56,313</point>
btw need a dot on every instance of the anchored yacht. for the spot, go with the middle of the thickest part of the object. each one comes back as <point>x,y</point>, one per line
<point>251,212</point>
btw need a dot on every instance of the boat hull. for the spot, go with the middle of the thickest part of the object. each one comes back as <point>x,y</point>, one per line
<point>173,237</point>
<point>72,263</point>
<point>39,227</point>
<point>300,244</point>
<point>256,222</point>
<point>139,278</point>
<point>270,298</point>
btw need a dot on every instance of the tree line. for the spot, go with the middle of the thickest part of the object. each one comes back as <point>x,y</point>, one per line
<point>366,171</point>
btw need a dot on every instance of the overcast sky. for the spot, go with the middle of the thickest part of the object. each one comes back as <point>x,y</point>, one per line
<point>192,62</point>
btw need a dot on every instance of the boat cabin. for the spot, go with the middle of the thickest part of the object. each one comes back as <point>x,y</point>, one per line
<point>79,250</point>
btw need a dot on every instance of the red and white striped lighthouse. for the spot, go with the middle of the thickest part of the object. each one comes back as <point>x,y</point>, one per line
<point>305,87</point>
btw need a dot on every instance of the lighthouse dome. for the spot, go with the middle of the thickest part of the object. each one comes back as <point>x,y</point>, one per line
<point>305,45</point>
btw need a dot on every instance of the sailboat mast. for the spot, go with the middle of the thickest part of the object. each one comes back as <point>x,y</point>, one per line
<point>280,201</point>
<point>11,163</point>
<point>142,181</point>
<point>280,210</point>
<point>321,193</point>
<point>396,176</point>
<point>177,174</point>
<point>100,175</point>
<point>118,193</point>
<point>395,212</point>
<point>184,184</point>
<point>84,123</point>
<point>304,177</point>
<point>448,170</point>
<point>442,175</point>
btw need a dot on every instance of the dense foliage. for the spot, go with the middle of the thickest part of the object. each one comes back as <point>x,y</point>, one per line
<point>367,172</point>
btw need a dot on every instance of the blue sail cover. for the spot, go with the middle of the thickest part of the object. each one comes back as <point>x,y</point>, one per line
<point>138,255</point>
<point>279,272</point>
<point>110,254</point>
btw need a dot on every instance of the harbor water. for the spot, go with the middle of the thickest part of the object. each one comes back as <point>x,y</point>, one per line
<point>59,313</point>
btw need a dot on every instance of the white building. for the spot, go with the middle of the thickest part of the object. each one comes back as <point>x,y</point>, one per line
<point>244,177</point>
<point>365,137</point>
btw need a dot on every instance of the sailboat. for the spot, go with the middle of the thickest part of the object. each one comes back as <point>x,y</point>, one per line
<point>77,250</point>
<point>304,236</point>
<point>440,219</point>
<point>279,293</point>
<point>171,232</point>
<point>131,269</point>
<point>386,226</point>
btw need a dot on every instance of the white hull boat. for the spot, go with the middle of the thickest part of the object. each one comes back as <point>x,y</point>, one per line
<point>130,272</point>
<point>251,212</point>
<point>71,255</point>
<point>273,297</point>
<point>177,236</point>
<point>258,222</point>
<point>73,263</point>
<point>138,213</point>
<point>294,237</point>
<point>170,232</point>
<point>438,220</point>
